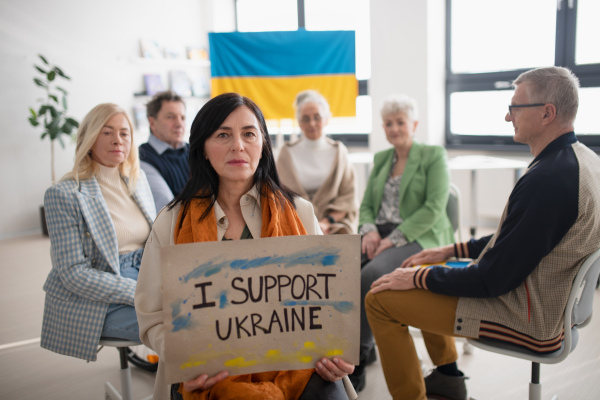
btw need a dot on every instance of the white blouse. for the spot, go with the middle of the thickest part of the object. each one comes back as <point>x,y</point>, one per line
<point>313,161</point>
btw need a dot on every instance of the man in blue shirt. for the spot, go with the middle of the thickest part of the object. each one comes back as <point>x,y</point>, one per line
<point>518,286</point>
<point>164,158</point>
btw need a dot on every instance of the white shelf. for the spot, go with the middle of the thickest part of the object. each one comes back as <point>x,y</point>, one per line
<point>171,61</point>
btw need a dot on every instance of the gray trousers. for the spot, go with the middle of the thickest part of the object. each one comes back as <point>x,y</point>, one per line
<point>384,263</point>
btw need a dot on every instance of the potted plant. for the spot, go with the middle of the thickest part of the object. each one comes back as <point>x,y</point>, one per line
<point>52,113</point>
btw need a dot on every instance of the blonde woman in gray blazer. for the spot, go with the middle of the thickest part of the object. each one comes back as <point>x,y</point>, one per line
<point>99,216</point>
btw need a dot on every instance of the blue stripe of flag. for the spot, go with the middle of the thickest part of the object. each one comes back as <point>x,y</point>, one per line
<point>291,53</point>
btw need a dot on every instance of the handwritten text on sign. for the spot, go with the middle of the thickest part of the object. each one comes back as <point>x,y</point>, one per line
<point>260,305</point>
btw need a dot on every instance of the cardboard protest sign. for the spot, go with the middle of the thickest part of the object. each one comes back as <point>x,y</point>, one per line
<point>259,305</point>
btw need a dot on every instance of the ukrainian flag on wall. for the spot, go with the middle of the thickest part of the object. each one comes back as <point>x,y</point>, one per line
<point>272,67</point>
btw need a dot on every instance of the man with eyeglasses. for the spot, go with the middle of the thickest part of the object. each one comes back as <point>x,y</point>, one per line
<point>517,287</point>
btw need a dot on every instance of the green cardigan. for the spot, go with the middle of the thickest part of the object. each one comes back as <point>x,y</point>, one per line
<point>423,195</point>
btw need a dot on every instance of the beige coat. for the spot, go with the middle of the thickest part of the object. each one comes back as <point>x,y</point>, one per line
<point>338,192</point>
<point>148,293</point>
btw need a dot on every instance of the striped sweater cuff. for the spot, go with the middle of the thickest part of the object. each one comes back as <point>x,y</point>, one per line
<point>461,250</point>
<point>420,278</point>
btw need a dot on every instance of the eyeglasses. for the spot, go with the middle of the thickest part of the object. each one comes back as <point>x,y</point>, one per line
<point>511,106</point>
<point>306,119</point>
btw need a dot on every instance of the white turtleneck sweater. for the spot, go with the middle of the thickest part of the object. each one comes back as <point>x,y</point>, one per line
<point>129,221</point>
<point>313,160</point>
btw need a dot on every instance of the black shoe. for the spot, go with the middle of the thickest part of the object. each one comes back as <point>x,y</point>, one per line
<point>441,386</point>
<point>358,378</point>
<point>371,357</point>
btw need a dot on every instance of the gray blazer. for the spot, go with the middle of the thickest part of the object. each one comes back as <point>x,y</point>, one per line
<point>85,276</point>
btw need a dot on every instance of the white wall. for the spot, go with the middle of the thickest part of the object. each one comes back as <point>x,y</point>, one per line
<point>398,58</point>
<point>407,46</point>
<point>97,44</point>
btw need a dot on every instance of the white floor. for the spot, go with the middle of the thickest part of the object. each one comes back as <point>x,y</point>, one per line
<point>30,372</point>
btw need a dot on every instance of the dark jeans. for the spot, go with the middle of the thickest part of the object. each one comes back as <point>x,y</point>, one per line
<point>384,263</point>
<point>316,389</point>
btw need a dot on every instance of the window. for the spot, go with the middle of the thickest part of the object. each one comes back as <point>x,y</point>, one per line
<point>266,15</point>
<point>319,15</point>
<point>490,43</point>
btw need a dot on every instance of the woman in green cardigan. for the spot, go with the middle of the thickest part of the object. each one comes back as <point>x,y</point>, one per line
<point>403,210</point>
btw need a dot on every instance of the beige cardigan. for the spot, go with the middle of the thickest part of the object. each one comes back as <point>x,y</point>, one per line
<point>338,192</point>
<point>148,292</point>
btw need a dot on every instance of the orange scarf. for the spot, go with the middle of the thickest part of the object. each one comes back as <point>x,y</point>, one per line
<point>276,221</point>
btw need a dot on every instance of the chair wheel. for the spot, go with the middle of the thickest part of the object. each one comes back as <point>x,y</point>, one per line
<point>142,362</point>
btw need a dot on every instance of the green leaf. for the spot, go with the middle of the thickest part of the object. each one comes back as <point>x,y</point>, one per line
<point>44,135</point>
<point>32,111</point>
<point>53,134</point>
<point>43,59</point>
<point>53,111</point>
<point>62,144</point>
<point>61,89</point>
<point>61,73</point>
<point>67,128</point>
<point>53,129</point>
<point>33,121</point>
<point>53,97</point>
<point>41,70</point>
<point>43,110</point>
<point>51,75</point>
<point>73,122</point>
<point>40,82</point>
<point>64,101</point>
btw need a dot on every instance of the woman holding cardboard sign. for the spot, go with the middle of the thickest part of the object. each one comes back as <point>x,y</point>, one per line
<point>233,193</point>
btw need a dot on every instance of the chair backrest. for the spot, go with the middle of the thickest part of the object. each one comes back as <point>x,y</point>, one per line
<point>453,210</point>
<point>579,306</point>
<point>586,285</point>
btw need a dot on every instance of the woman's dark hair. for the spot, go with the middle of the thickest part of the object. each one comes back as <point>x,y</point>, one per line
<point>204,181</point>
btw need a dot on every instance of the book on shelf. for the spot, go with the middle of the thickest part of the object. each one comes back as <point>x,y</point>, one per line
<point>180,83</point>
<point>200,84</point>
<point>175,52</point>
<point>141,119</point>
<point>153,84</point>
<point>150,48</point>
<point>197,53</point>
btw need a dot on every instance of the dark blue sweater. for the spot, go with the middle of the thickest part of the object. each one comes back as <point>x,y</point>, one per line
<point>172,164</point>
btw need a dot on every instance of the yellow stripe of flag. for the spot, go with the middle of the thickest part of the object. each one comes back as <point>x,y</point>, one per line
<point>340,90</point>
